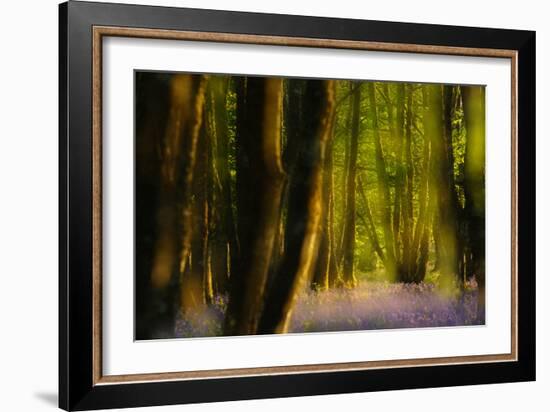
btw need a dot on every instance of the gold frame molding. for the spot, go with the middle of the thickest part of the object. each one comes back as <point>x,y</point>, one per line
<point>102,31</point>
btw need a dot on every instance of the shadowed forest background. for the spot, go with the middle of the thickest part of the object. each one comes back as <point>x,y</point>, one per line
<point>273,205</point>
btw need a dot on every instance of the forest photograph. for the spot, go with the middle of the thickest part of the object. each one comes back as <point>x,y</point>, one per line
<point>272,205</point>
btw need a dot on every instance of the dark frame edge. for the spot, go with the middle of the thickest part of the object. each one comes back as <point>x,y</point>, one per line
<point>526,226</point>
<point>63,378</point>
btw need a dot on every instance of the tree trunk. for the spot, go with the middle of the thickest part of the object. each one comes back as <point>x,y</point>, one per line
<point>178,155</point>
<point>224,246</point>
<point>333,260</point>
<point>447,220</point>
<point>369,223</point>
<point>421,237</point>
<point>383,187</point>
<point>401,195</point>
<point>294,128</point>
<point>395,126</point>
<point>473,98</point>
<point>323,267</point>
<point>460,235</point>
<point>259,165</point>
<point>304,209</point>
<point>343,186</point>
<point>193,291</point>
<point>348,243</point>
<point>409,258</point>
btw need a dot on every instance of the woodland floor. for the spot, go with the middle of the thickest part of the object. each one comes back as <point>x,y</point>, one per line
<point>369,306</point>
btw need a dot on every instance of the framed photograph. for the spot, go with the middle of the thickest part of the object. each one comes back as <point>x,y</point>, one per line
<point>257,205</point>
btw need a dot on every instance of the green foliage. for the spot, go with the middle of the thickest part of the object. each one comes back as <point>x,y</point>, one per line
<point>386,95</point>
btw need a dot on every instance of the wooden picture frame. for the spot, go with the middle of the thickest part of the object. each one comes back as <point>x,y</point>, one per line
<point>82,384</point>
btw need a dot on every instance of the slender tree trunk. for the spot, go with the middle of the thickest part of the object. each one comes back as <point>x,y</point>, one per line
<point>333,261</point>
<point>421,237</point>
<point>369,223</point>
<point>193,291</point>
<point>423,251</point>
<point>383,187</point>
<point>209,282</point>
<point>456,212</point>
<point>259,165</point>
<point>410,256</point>
<point>395,126</point>
<point>343,186</point>
<point>436,236</point>
<point>217,250</point>
<point>304,209</point>
<point>401,204</point>
<point>225,246</point>
<point>349,225</point>
<point>473,98</point>
<point>321,274</point>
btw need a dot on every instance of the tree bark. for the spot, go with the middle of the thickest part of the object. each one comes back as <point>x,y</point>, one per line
<point>348,243</point>
<point>369,223</point>
<point>224,245</point>
<point>383,188</point>
<point>178,155</point>
<point>322,273</point>
<point>422,229</point>
<point>473,98</point>
<point>343,186</point>
<point>193,289</point>
<point>294,128</point>
<point>259,165</point>
<point>409,258</point>
<point>304,209</point>
<point>447,220</point>
<point>457,212</point>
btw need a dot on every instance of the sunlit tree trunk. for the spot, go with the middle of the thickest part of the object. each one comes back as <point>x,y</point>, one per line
<point>333,260</point>
<point>225,246</point>
<point>218,242</point>
<point>383,187</point>
<point>325,256</point>
<point>195,282</point>
<point>304,209</point>
<point>422,229</point>
<point>259,166</point>
<point>178,156</point>
<point>348,243</point>
<point>473,98</point>
<point>343,184</point>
